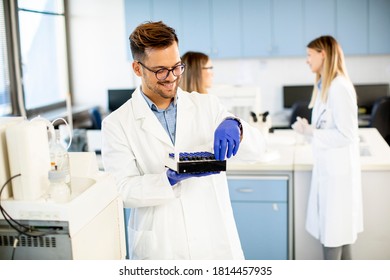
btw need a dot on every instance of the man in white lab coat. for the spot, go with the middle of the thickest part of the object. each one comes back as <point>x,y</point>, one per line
<point>173,216</point>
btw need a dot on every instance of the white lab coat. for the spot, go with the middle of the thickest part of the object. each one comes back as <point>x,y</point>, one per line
<point>193,219</point>
<point>334,213</point>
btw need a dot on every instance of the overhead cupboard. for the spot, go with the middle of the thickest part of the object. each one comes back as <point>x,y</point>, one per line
<point>267,28</point>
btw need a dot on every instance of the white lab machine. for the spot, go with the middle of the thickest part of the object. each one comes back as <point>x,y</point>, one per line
<point>88,227</point>
<point>5,122</point>
<point>239,100</point>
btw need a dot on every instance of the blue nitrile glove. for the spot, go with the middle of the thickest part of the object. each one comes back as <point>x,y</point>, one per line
<point>227,136</point>
<point>175,177</point>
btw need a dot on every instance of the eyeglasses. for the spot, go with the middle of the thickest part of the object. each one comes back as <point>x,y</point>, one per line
<point>208,68</point>
<point>163,73</point>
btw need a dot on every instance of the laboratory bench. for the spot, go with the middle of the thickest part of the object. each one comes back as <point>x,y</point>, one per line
<point>282,119</point>
<point>269,199</point>
<point>374,241</point>
<point>88,227</point>
<point>261,197</point>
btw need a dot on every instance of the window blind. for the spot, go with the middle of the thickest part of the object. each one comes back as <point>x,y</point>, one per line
<point>5,96</point>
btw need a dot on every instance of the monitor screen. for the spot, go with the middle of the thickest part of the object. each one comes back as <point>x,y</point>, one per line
<point>292,94</point>
<point>117,97</point>
<point>368,94</point>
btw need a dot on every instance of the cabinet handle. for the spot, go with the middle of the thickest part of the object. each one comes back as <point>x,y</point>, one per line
<point>275,207</point>
<point>245,190</point>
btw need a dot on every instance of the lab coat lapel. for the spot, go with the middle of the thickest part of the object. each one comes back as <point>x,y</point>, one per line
<point>184,119</point>
<point>149,122</point>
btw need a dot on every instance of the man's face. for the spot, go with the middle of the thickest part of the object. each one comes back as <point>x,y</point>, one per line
<point>159,91</point>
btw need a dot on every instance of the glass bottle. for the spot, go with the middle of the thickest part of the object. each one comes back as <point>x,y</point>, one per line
<point>59,157</point>
<point>59,191</point>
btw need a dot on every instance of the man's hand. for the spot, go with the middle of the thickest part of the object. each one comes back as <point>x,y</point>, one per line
<point>175,177</point>
<point>227,139</point>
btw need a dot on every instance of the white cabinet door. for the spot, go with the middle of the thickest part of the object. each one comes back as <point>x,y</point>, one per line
<point>373,243</point>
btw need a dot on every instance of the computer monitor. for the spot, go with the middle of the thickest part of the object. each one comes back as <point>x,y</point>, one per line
<point>368,94</point>
<point>292,94</point>
<point>117,97</point>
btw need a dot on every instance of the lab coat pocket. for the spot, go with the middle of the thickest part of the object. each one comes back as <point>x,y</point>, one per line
<point>140,244</point>
<point>336,161</point>
<point>140,233</point>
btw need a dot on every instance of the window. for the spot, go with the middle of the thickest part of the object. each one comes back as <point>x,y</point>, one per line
<point>34,73</point>
<point>42,35</point>
<point>5,93</point>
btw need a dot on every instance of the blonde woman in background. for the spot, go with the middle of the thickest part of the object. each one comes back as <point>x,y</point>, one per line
<point>199,72</point>
<point>334,213</point>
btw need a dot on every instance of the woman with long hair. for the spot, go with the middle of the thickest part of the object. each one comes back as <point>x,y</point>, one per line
<point>334,213</point>
<point>198,74</point>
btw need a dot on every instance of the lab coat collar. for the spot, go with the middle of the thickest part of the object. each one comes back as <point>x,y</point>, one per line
<point>319,84</point>
<point>153,106</point>
<point>149,122</point>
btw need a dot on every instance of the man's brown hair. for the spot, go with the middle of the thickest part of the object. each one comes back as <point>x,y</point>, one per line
<point>151,35</point>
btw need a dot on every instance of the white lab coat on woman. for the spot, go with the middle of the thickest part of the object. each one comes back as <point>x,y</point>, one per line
<point>193,219</point>
<point>334,213</point>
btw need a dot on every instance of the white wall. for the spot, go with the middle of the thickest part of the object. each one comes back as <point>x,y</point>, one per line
<point>98,50</point>
<point>272,73</point>
<point>99,60</point>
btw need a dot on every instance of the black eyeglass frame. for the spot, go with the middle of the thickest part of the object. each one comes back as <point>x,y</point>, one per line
<point>182,65</point>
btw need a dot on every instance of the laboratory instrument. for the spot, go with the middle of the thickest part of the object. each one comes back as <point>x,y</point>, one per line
<point>83,223</point>
<point>193,162</point>
<point>89,226</point>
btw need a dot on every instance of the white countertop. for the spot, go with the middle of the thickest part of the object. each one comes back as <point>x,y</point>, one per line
<point>375,153</point>
<point>288,151</point>
<point>89,197</point>
<point>296,154</point>
<point>279,155</point>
